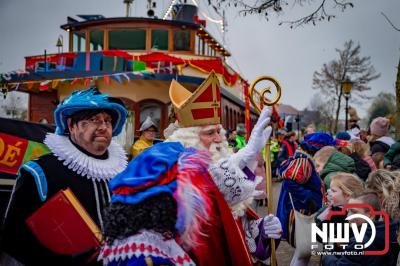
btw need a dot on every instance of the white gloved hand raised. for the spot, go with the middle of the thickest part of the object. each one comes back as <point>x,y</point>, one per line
<point>272,227</point>
<point>258,138</point>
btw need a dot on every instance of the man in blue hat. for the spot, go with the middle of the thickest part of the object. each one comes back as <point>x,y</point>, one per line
<point>83,158</point>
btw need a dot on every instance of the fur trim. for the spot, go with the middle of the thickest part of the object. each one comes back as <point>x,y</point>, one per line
<point>239,210</point>
<point>85,165</point>
<point>194,204</point>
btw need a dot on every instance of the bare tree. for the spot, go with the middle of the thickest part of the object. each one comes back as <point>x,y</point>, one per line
<point>349,65</point>
<point>322,10</point>
<point>325,109</point>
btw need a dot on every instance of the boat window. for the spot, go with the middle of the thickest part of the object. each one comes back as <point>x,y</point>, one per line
<point>79,41</point>
<point>197,45</point>
<point>127,40</point>
<point>96,40</point>
<point>159,39</point>
<point>182,40</point>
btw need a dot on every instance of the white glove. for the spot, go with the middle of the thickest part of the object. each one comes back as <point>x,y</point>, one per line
<point>258,138</point>
<point>233,182</point>
<point>272,227</point>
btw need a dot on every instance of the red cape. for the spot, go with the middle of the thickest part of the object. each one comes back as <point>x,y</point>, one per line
<point>224,240</point>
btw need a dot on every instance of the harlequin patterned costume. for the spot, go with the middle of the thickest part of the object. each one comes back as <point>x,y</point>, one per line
<point>303,183</point>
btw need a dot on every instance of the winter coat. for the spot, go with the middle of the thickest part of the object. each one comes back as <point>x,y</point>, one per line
<point>388,259</point>
<point>240,141</point>
<point>335,219</point>
<point>362,167</point>
<point>287,150</point>
<point>140,145</point>
<point>392,157</point>
<point>381,144</point>
<point>338,162</point>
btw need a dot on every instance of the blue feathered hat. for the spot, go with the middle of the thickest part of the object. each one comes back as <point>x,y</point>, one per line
<point>136,183</point>
<point>89,99</point>
<point>313,142</point>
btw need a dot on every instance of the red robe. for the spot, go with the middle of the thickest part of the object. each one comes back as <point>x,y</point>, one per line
<point>224,240</point>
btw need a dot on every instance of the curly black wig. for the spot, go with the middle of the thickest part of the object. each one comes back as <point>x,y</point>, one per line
<point>157,213</point>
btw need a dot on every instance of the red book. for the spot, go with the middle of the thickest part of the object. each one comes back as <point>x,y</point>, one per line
<point>63,225</point>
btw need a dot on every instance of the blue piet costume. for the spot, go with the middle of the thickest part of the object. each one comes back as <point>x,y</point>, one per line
<point>313,142</point>
<point>67,166</point>
<point>171,171</point>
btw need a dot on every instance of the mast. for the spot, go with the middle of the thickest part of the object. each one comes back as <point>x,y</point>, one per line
<point>128,7</point>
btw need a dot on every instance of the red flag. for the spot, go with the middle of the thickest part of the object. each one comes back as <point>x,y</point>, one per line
<point>247,120</point>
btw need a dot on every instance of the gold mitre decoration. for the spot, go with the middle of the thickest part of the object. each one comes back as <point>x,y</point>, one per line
<point>200,108</point>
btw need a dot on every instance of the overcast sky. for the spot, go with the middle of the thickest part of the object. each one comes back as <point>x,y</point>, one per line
<point>259,47</point>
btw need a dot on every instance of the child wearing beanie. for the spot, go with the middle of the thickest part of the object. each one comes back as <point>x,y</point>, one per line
<point>379,141</point>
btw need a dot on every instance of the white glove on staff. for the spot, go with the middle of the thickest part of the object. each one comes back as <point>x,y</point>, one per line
<point>272,227</point>
<point>258,138</point>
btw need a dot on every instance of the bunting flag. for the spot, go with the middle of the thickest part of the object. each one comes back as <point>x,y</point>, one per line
<point>126,76</point>
<point>44,85</point>
<point>106,79</point>
<point>30,84</point>
<point>87,82</point>
<point>118,78</point>
<point>55,83</point>
<point>75,80</point>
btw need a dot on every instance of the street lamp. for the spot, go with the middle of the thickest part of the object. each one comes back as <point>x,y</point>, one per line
<point>347,85</point>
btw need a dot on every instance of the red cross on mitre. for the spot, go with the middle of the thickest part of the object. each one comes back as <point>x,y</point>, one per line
<point>202,107</point>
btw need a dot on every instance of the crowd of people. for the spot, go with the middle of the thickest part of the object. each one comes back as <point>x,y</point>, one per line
<point>327,172</point>
<point>188,199</point>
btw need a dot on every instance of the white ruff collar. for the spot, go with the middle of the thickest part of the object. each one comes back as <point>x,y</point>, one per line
<point>85,165</point>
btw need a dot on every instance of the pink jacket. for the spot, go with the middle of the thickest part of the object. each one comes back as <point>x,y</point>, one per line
<point>370,162</point>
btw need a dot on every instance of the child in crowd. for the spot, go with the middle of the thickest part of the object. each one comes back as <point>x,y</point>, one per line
<point>386,185</point>
<point>329,161</point>
<point>391,159</point>
<point>377,157</point>
<point>342,186</point>
<point>362,149</point>
<point>379,141</point>
<point>343,142</point>
<point>362,167</point>
<point>390,258</point>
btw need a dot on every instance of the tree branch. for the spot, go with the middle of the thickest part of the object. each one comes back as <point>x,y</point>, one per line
<point>390,22</point>
<point>264,7</point>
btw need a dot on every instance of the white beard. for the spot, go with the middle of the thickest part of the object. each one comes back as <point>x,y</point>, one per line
<point>189,138</point>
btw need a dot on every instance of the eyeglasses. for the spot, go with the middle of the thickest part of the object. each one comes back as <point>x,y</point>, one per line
<point>98,122</point>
